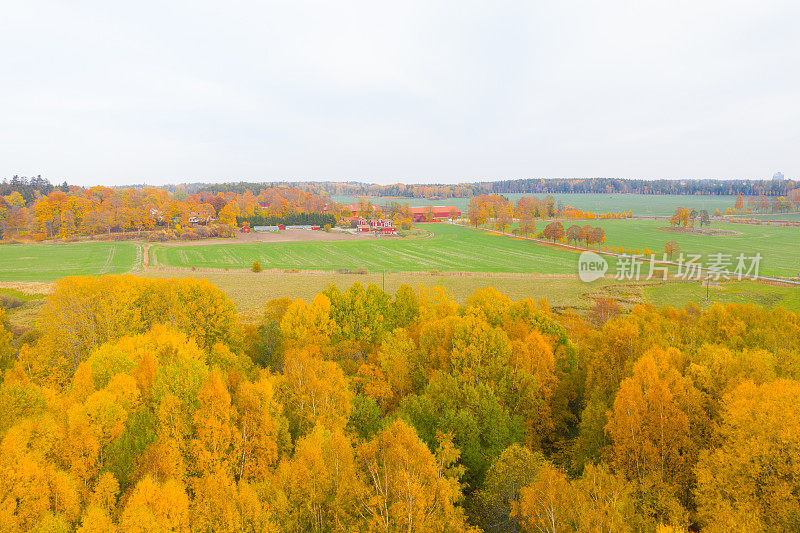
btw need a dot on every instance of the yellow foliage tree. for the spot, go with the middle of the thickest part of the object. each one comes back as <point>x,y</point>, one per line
<point>752,477</point>
<point>406,488</point>
<point>155,506</point>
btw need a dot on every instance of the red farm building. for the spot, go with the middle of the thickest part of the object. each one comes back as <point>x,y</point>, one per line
<point>379,226</point>
<point>382,226</point>
<point>376,223</point>
<point>434,213</point>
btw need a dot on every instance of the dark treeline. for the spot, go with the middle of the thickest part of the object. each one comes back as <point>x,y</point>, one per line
<point>350,188</point>
<point>528,186</point>
<point>611,185</point>
<point>290,219</point>
<point>237,187</point>
<point>254,188</point>
<point>28,187</point>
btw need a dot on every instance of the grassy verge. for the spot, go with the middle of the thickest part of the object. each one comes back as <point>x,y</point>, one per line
<point>22,307</point>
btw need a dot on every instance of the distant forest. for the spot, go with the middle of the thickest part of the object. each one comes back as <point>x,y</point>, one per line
<point>28,187</point>
<point>611,185</point>
<point>533,186</point>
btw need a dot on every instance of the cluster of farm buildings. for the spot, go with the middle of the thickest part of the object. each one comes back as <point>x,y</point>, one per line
<point>378,226</point>
<point>382,226</point>
<point>279,227</point>
<point>385,226</point>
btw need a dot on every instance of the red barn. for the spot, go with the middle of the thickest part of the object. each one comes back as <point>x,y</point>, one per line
<point>439,212</point>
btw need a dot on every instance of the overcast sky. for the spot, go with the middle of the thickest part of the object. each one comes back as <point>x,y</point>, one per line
<point>171,91</point>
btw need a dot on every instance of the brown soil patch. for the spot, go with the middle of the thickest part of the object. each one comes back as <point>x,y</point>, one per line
<point>29,287</point>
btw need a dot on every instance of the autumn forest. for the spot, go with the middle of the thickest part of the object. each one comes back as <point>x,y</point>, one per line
<point>142,404</point>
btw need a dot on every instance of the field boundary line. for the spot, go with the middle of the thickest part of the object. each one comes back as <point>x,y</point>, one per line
<point>420,273</point>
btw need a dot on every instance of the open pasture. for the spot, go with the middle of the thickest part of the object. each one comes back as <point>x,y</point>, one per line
<point>677,294</point>
<point>49,262</point>
<point>452,248</point>
<point>250,291</point>
<point>778,246</point>
<point>645,205</point>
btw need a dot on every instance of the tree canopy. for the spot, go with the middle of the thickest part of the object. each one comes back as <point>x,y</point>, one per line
<point>140,404</point>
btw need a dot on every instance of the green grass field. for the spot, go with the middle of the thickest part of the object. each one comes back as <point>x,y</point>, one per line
<point>463,249</point>
<point>452,248</point>
<point>508,264</point>
<point>48,262</point>
<point>640,204</point>
<point>678,294</point>
<point>250,291</point>
<point>779,246</point>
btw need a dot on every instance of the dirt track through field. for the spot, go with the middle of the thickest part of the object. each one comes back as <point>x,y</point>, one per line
<point>109,260</point>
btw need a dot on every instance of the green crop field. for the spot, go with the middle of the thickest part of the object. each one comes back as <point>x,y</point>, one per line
<point>409,260</point>
<point>48,262</point>
<point>678,294</point>
<point>452,248</point>
<point>640,204</point>
<point>778,246</point>
<point>463,249</point>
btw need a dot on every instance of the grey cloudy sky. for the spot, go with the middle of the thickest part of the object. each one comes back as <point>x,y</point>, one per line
<point>416,91</point>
